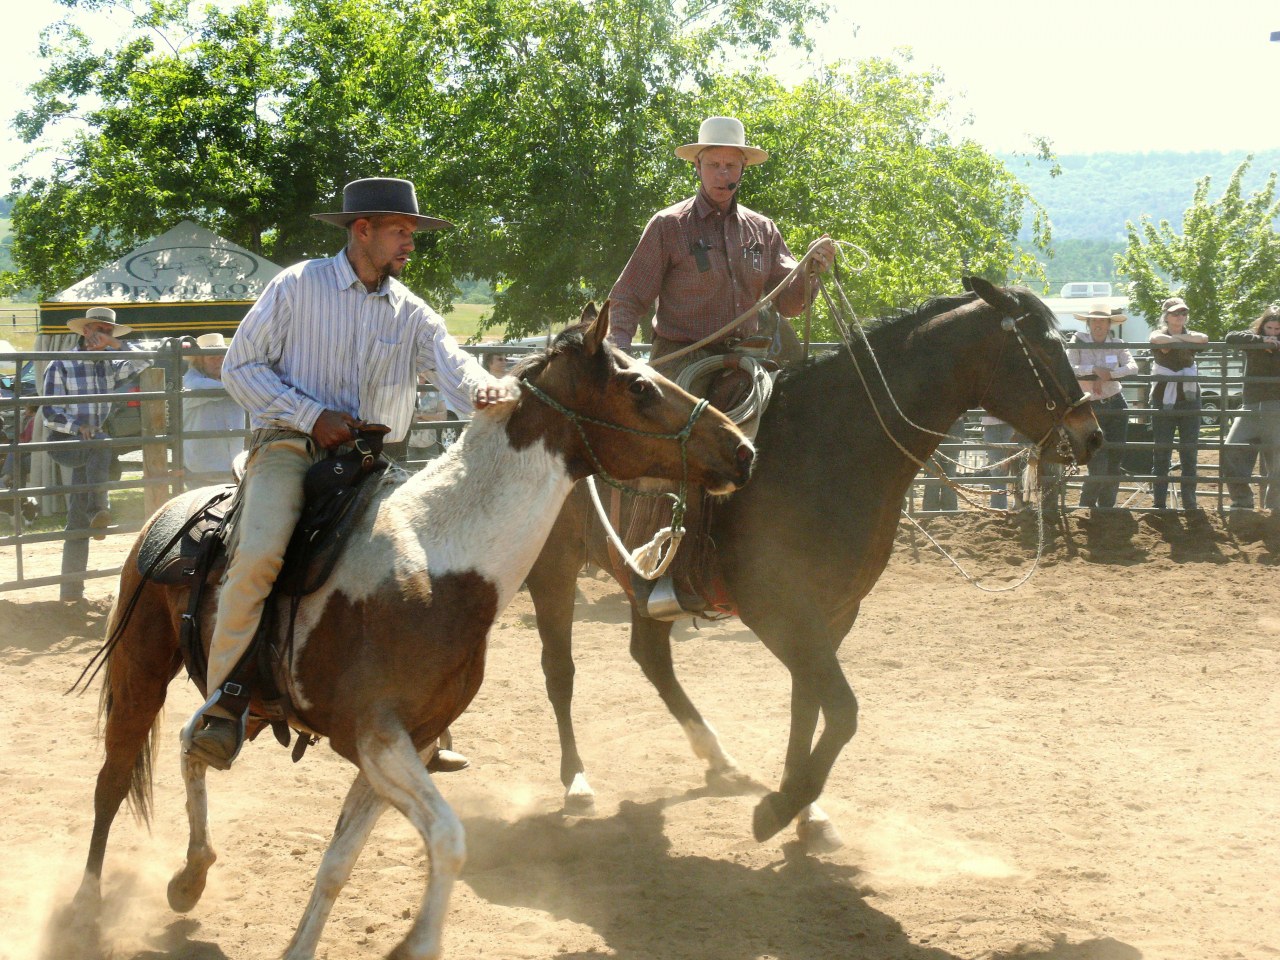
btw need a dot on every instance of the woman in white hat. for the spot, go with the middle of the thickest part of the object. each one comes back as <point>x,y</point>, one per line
<point>69,421</point>
<point>1175,397</point>
<point>1100,359</point>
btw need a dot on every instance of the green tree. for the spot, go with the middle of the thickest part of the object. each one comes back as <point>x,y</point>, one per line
<point>1225,262</point>
<point>527,122</point>
<point>543,128</point>
<point>863,155</point>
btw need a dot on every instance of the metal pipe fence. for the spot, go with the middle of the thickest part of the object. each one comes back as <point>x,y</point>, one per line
<point>1221,381</point>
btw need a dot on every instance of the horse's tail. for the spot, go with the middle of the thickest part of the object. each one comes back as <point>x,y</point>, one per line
<point>140,779</point>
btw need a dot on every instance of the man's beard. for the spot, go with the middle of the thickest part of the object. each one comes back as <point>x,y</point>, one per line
<point>390,270</point>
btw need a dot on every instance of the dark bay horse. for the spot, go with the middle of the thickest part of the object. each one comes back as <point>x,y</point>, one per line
<point>800,546</point>
<point>391,649</point>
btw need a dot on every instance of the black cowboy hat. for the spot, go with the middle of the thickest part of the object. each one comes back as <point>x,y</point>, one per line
<point>380,195</point>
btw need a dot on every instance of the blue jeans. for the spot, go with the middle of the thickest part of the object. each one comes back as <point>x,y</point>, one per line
<point>1182,417</point>
<point>1259,427</point>
<point>81,466</point>
<point>939,496</point>
<point>1113,418</point>
<point>998,433</point>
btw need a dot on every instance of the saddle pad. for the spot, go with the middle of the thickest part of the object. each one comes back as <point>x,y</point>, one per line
<point>165,526</point>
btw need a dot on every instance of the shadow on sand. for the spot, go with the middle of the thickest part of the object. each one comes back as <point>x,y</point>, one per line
<point>618,876</point>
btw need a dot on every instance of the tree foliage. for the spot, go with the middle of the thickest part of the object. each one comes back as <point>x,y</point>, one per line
<point>1225,262</point>
<point>862,155</point>
<point>543,128</point>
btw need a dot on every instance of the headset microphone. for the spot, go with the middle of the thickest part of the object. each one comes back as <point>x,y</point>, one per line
<point>731,186</point>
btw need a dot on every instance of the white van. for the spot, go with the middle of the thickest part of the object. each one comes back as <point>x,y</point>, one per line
<point>1076,289</point>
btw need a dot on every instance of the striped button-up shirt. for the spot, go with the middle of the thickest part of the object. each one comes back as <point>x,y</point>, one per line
<point>70,378</point>
<point>704,268</point>
<point>318,340</point>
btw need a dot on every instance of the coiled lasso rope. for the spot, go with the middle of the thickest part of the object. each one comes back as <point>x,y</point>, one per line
<point>651,560</point>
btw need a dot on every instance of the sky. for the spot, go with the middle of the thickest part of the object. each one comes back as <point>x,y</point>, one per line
<point>1091,75</point>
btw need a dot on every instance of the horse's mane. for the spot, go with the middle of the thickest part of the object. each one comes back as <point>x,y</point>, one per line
<point>898,324</point>
<point>534,363</point>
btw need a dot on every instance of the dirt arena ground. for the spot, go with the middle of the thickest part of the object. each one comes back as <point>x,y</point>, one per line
<point>1083,769</point>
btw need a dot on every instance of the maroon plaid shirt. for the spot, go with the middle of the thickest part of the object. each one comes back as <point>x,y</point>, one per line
<point>703,268</point>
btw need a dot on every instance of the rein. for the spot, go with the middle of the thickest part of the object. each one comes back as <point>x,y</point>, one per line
<point>650,554</point>
<point>1009,324</point>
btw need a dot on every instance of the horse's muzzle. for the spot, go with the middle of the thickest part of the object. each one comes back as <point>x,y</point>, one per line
<point>746,458</point>
<point>1083,434</point>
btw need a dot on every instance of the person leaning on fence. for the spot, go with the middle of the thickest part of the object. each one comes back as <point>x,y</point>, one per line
<point>708,259</point>
<point>1176,402</point>
<point>1100,360</point>
<point>208,459</point>
<point>330,344</point>
<point>69,422</point>
<point>940,495</point>
<point>1259,424</point>
<point>999,437</point>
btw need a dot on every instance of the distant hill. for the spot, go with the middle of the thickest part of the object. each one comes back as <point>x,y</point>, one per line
<point>1096,193</point>
<point>1089,203</point>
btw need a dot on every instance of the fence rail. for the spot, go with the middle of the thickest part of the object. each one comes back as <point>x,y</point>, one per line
<point>161,472</point>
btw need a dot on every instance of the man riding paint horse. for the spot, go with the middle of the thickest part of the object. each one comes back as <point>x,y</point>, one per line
<point>708,259</point>
<point>329,345</point>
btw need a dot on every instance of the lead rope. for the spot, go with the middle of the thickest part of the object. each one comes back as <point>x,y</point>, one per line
<point>1034,493</point>
<point>652,559</point>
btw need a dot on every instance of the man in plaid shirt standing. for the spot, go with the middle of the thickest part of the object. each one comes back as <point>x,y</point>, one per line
<point>708,259</point>
<point>88,510</point>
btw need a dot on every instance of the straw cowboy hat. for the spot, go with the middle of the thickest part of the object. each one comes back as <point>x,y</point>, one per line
<point>1100,311</point>
<point>210,341</point>
<point>380,195</point>
<point>99,315</point>
<point>722,132</point>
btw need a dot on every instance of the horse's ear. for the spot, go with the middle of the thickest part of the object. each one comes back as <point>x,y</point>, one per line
<point>589,313</point>
<point>998,297</point>
<point>594,335</point>
<point>967,283</point>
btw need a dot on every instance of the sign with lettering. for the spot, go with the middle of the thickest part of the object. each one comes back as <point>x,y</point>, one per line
<point>185,264</point>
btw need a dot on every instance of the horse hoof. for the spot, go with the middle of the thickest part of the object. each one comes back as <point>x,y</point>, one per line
<point>768,818</point>
<point>73,932</point>
<point>579,799</point>
<point>818,836</point>
<point>732,782</point>
<point>185,890</point>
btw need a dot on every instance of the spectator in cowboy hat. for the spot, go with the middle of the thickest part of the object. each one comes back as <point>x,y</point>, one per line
<point>708,259</point>
<point>1100,360</point>
<point>331,344</point>
<point>1175,398</point>
<point>208,459</point>
<point>85,466</point>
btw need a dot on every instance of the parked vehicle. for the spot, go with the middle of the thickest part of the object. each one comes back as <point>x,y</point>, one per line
<point>1075,289</point>
<point>24,382</point>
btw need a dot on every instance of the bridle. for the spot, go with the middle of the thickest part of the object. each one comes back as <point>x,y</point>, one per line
<point>1033,352</point>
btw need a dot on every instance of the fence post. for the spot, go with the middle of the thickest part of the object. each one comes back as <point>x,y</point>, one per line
<point>155,456</point>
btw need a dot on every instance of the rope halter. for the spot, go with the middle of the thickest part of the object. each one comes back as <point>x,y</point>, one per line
<point>1010,324</point>
<point>681,436</point>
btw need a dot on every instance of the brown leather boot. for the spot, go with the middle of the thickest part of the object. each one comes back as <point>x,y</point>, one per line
<point>216,743</point>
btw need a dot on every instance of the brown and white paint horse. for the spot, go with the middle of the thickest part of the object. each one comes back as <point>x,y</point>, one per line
<point>392,649</point>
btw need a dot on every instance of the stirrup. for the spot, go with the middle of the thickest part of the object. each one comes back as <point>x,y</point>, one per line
<point>661,599</point>
<point>193,726</point>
